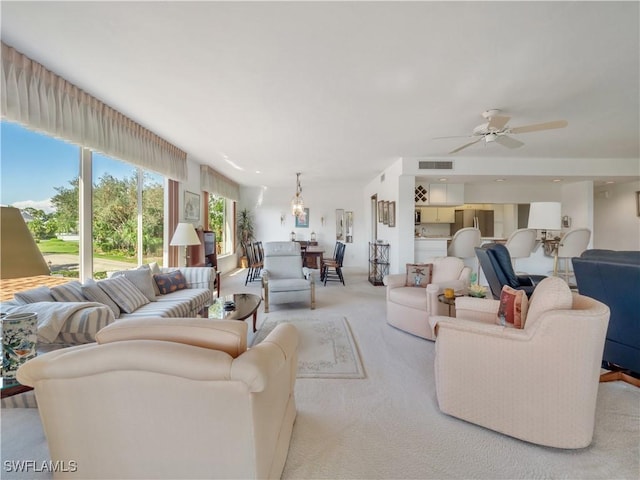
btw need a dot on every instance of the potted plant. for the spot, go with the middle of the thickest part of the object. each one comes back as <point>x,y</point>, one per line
<point>244,226</point>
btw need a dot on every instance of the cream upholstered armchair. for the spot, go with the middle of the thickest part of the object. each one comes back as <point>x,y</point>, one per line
<point>169,398</point>
<point>284,279</point>
<point>538,383</point>
<point>409,307</point>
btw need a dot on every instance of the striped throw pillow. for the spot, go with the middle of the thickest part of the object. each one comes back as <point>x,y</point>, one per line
<point>124,293</point>
<point>69,292</point>
<point>38,294</point>
<point>94,293</point>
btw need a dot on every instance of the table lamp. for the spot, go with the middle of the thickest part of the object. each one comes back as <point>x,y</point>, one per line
<point>19,254</point>
<point>546,216</point>
<point>184,236</point>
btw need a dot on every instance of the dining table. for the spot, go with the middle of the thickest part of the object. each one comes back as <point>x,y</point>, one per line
<point>313,256</point>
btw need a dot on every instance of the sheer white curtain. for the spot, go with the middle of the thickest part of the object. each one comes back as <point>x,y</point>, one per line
<point>217,184</point>
<point>39,99</point>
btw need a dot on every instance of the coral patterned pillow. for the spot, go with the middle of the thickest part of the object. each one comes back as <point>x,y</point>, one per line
<point>170,282</point>
<point>513,307</point>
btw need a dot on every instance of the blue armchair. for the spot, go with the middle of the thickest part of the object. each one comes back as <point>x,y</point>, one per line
<point>613,277</point>
<point>495,261</point>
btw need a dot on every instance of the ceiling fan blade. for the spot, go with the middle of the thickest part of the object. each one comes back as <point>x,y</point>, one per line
<point>466,145</point>
<point>454,136</point>
<point>508,142</point>
<point>498,122</point>
<point>540,126</point>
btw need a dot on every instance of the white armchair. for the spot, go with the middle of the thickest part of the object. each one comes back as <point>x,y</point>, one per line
<point>539,383</point>
<point>409,308</point>
<point>169,398</point>
<point>284,279</point>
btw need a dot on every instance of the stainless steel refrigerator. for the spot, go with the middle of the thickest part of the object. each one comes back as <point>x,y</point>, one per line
<point>482,219</point>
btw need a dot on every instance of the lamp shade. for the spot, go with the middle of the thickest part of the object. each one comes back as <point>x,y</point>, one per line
<point>545,215</point>
<point>19,254</point>
<point>184,235</point>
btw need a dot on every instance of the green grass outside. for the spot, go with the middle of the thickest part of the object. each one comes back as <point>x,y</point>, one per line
<point>72,247</point>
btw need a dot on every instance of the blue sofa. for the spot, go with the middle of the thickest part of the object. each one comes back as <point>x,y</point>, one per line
<point>613,277</point>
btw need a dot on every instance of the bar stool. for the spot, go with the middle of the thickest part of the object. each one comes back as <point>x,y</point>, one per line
<point>463,244</point>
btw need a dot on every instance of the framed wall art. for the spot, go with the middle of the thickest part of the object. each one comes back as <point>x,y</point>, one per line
<point>191,206</point>
<point>302,221</point>
<point>392,214</point>
<point>385,213</point>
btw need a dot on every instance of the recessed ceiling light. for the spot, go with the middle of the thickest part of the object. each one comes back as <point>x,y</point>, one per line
<point>556,180</point>
<point>443,179</point>
<point>500,179</point>
<point>258,171</point>
<point>609,182</point>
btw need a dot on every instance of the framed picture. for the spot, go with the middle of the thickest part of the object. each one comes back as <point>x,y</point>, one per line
<point>638,204</point>
<point>340,224</point>
<point>392,214</point>
<point>380,209</point>
<point>385,212</point>
<point>302,221</point>
<point>191,206</point>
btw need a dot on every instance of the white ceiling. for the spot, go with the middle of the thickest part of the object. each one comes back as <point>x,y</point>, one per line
<point>339,90</point>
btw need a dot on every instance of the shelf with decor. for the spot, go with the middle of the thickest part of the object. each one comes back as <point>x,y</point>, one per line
<point>378,262</point>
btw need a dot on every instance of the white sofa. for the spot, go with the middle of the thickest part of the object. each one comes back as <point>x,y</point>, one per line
<point>409,308</point>
<point>538,383</point>
<point>169,398</point>
<point>66,316</point>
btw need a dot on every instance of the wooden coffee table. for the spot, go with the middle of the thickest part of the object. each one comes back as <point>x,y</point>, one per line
<point>246,305</point>
<point>12,387</point>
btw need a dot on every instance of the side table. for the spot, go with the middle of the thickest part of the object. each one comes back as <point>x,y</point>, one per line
<point>449,301</point>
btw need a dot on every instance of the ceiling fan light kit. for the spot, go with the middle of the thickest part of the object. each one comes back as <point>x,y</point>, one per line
<point>496,130</point>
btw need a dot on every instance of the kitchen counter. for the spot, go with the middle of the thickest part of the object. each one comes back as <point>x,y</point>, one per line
<point>430,247</point>
<point>445,237</point>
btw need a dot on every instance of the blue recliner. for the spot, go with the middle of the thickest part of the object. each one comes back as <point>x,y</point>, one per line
<point>495,261</point>
<point>613,277</point>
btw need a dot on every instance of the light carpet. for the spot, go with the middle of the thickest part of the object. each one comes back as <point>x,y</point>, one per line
<point>388,425</point>
<point>326,347</point>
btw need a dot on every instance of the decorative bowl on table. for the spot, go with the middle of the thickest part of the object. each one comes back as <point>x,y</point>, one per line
<point>477,291</point>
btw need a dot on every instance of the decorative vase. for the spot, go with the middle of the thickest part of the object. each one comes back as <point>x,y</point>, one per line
<point>18,341</point>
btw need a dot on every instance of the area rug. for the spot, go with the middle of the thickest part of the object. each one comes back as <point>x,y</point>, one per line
<point>326,348</point>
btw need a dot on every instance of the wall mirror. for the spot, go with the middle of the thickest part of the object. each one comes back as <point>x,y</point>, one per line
<point>340,225</point>
<point>349,227</point>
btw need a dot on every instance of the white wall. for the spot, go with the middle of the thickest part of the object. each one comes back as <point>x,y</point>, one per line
<point>270,204</point>
<point>398,188</point>
<point>610,211</point>
<point>617,225</point>
<point>577,204</point>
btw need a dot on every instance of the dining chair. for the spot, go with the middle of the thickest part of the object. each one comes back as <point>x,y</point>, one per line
<point>335,264</point>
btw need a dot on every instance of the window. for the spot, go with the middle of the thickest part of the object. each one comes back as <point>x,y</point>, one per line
<point>41,176</point>
<point>221,222</point>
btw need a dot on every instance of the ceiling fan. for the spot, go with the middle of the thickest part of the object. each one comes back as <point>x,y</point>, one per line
<point>497,130</point>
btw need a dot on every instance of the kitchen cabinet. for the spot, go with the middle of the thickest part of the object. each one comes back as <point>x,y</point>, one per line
<point>437,215</point>
<point>446,194</point>
<point>421,194</point>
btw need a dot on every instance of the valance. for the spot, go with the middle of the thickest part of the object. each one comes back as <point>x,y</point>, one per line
<point>217,184</point>
<point>41,100</point>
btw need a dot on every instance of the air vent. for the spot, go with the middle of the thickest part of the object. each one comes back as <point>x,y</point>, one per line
<point>433,165</point>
